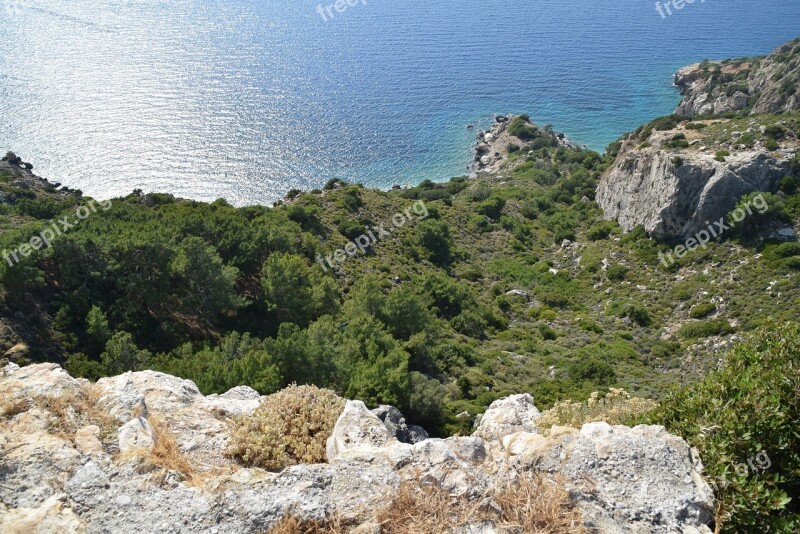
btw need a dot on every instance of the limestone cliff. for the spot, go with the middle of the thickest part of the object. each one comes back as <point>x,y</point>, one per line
<point>675,190</point>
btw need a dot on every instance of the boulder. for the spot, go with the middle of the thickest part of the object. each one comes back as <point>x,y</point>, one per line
<point>396,424</point>
<point>507,416</point>
<point>357,427</point>
<point>124,393</point>
<point>624,480</point>
<point>51,516</point>
<point>241,400</point>
<point>87,439</point>
<point>629,480</point>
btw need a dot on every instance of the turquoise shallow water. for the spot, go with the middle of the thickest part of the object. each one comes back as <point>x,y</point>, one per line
<point>245,99</point>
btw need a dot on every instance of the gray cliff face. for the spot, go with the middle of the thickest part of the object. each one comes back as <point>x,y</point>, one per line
<point>766,85</point>
<point>672,199</point>
<point>623,480</point>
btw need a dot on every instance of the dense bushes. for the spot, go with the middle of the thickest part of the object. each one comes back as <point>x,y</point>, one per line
<point>743,419</point>
<point>521,128</point>
<point>700,329</point>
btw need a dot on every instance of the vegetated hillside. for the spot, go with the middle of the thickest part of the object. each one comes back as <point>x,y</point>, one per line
<point>766,84</point>
<point>513,282</point>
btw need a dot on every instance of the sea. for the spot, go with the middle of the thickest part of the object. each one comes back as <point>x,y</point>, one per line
<point>246,99</point>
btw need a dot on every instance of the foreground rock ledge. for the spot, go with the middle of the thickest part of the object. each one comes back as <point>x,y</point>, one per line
<point>640,479</point>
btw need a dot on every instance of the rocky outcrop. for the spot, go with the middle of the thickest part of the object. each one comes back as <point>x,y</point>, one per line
<point>492,147</point>
<point>56,479</point>
<point>764,85</point>
<point>675,194</point>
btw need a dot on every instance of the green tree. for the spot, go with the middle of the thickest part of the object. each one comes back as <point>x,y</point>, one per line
<point>296,292</point>
<point>97,330</point>
<point>123,355</point>
<point>207,285</point>
<point>434,238</point>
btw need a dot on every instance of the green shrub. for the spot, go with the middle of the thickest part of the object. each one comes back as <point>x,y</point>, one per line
<point>334,183</point>
<point>785,250</point>
<point>590,326</point>
<point>702,310</point>
<point>721,155</point>
<point>512,147</point>
<point>547,333</point>
<point>492,208</point>
<point>789,185</point>
<point>593,369</point>
<point>792,263</point>
<point>632,311</point>
<point>289,427</point>
<point>737,417</point>
<point>678,141</point>
<point>616,273</point>
<point>771,144</point>
<point>601,230</point>
<point>774,131</point>
<point>695,126</point>
<point>521,128</point>
<point>700,329</point>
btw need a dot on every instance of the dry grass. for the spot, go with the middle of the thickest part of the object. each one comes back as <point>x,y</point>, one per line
<point>73,411</point>
<point>292,525</point>
<point>11,406</point>
<point>166,453</point>
<point>537,505</point>
<point>531,505</point>
<point>615,408</point>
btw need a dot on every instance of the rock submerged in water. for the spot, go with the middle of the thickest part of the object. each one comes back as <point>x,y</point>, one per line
<point>623,480</point>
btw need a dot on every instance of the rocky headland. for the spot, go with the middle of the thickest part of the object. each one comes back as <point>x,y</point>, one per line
<point>756,85</point>
<point>735,132</point>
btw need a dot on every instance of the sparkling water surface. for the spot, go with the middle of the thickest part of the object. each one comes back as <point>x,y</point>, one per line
<point>246,99</point>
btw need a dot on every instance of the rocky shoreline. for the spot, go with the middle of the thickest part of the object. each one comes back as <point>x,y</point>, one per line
<point>491,149</point>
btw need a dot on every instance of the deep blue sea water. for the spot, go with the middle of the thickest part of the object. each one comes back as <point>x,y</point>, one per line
<point>245,99</point>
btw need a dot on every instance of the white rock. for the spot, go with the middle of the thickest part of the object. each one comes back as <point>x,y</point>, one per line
<point>507,416</point>
<point>136,434</point>
<point>357,427</point>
